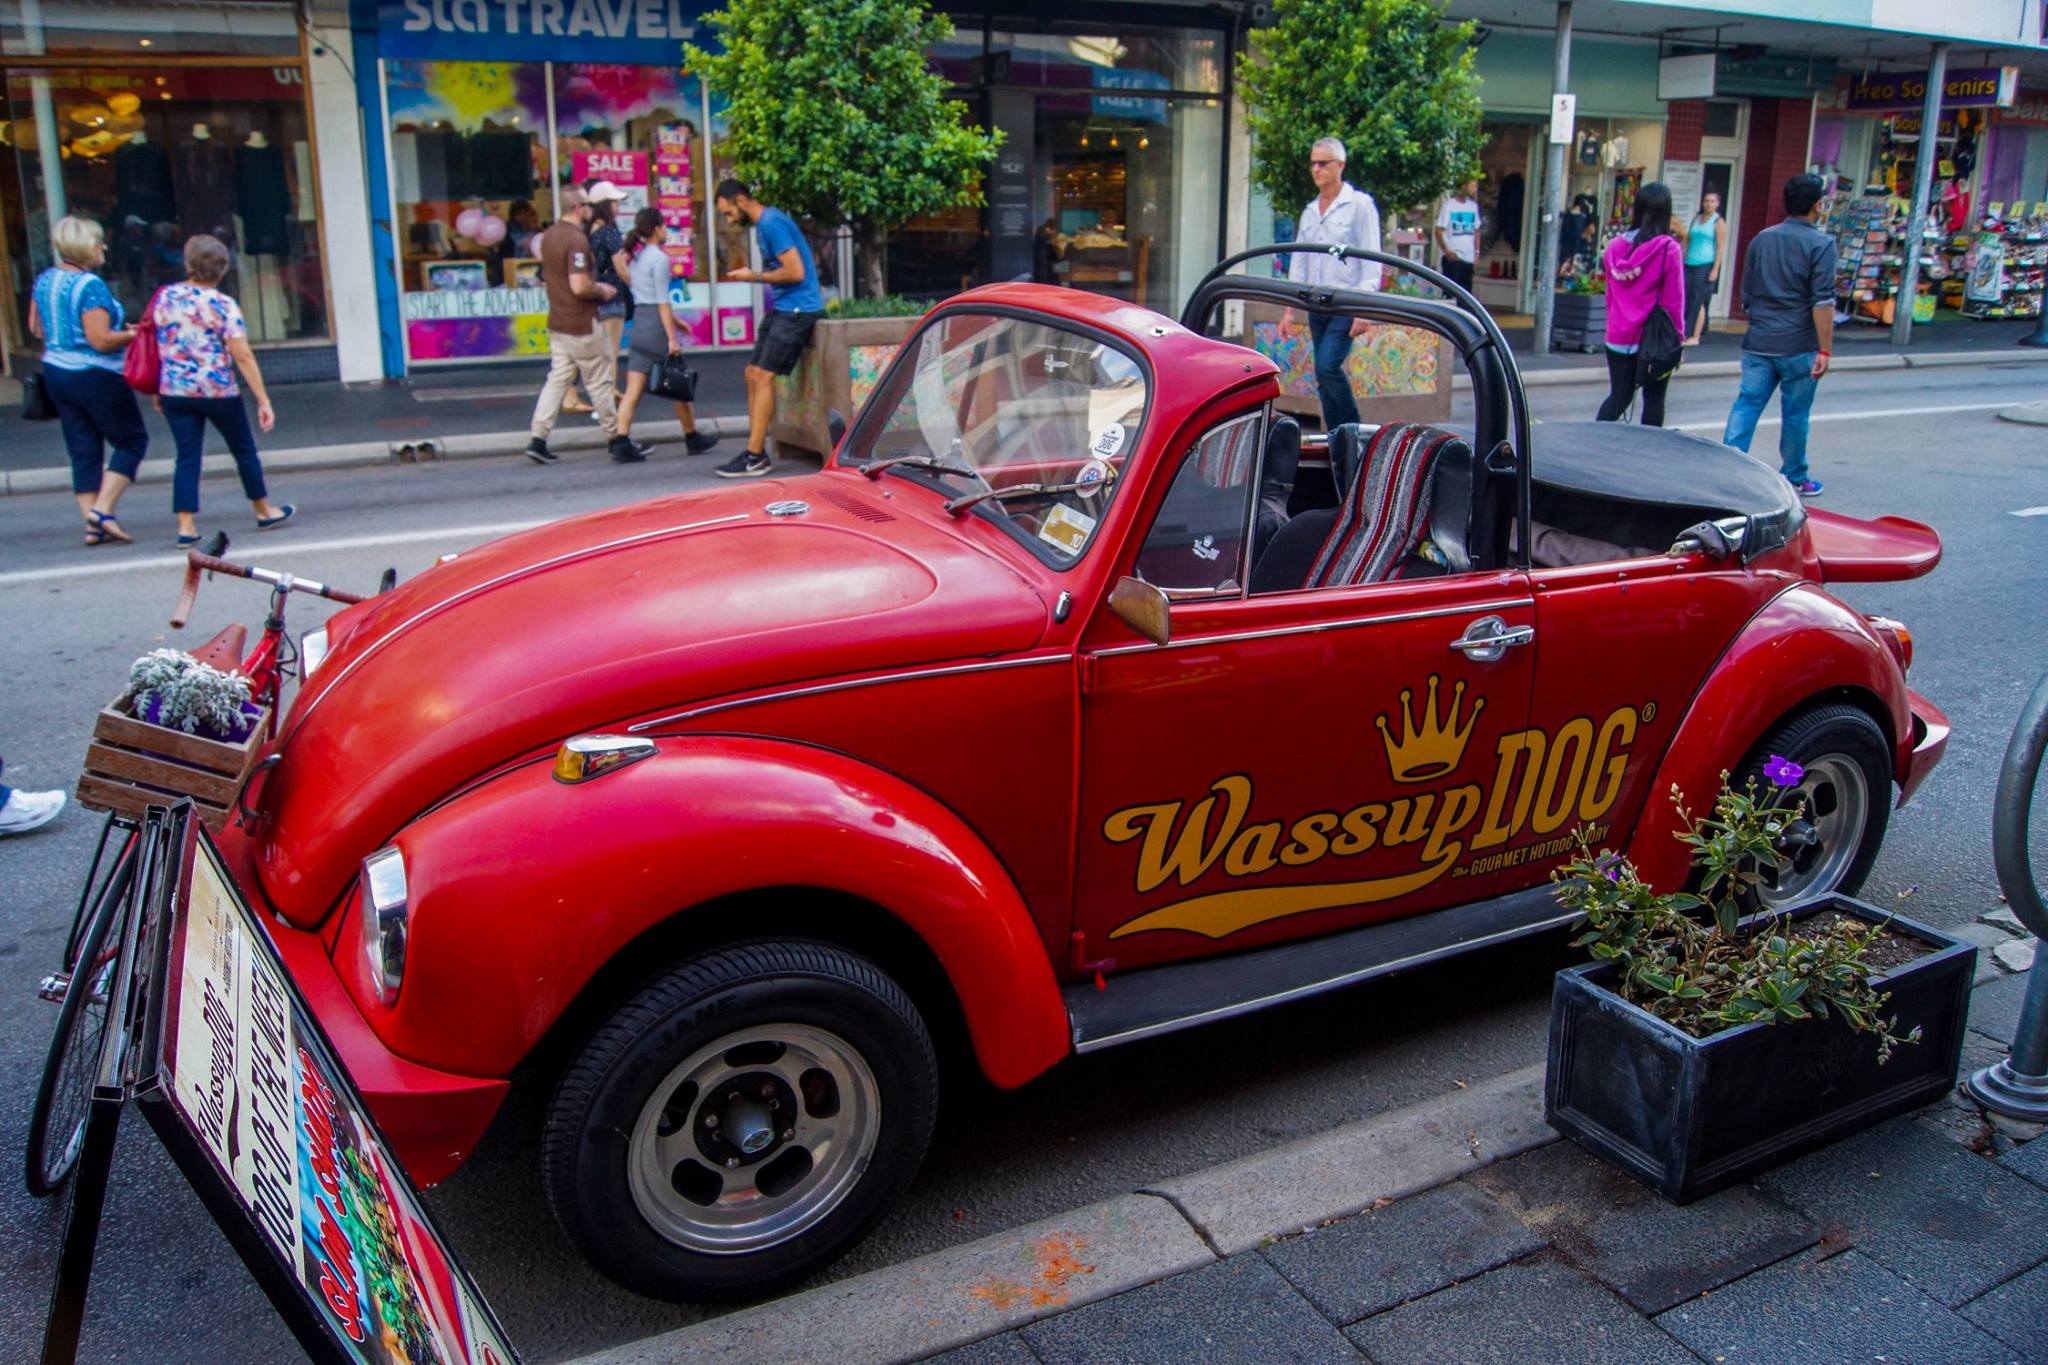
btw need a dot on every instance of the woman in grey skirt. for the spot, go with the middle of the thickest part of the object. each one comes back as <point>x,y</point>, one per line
<point>656,333</point>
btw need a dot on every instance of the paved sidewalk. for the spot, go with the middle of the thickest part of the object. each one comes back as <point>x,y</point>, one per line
<point>1464,1229</point>
<point>1925,1239</point>
<point>485,409</point>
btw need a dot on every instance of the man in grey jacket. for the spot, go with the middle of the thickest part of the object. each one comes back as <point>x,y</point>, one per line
<point>1788,290</point>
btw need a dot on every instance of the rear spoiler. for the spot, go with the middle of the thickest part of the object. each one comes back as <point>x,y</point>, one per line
<point>1881,550</point>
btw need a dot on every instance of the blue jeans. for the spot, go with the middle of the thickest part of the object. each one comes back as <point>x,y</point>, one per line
<point>188,418</point>
<point>1330,335</point>
<point>96,409</point>
<point>1793,374</point>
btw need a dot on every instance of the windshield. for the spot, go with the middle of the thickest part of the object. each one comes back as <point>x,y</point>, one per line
<point>1041,417</point>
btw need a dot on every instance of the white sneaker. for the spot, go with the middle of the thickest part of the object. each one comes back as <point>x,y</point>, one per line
<point>25,811</point>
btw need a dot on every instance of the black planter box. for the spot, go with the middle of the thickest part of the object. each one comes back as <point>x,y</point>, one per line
<point>1579,321</point>
<point>1688,1116</point>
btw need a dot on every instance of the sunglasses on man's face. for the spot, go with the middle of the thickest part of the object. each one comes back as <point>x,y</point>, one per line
<point>1319,162</point>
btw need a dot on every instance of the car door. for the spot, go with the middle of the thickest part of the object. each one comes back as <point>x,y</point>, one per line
<point>1621,648</point>
<point>1291,763</point>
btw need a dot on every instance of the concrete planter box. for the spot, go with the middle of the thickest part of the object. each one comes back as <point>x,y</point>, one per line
<point>845,360</point>
<point>1688,1116</point>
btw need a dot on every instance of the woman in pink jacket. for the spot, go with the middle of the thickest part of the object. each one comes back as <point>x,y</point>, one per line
<point>1645,271</point>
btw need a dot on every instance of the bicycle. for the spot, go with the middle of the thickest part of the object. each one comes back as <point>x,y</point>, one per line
<point>63,1094</point>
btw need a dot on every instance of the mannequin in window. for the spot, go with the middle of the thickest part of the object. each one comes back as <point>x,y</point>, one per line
<point>204,172</point>
<point>263,204</point>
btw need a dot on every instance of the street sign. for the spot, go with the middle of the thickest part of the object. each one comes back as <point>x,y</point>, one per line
<point>1563,117</point>
<point>223,1056</point>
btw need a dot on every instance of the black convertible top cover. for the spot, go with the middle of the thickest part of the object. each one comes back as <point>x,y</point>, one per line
<point>1623,462</point>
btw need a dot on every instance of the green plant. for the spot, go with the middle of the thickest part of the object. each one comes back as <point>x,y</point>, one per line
<point>175,690</point>
<point>1389,77</point>
<point>887,306</point>
<point>834,115</point>
<point>1704,972</point>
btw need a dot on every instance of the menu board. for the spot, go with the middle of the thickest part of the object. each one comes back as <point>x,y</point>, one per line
<point>672,196</point>
<point>287,1155</point>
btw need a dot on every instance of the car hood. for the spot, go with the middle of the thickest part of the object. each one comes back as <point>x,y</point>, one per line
<point>583,624</point>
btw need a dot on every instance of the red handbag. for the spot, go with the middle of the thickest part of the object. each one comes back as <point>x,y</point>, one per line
<point>143,369</point>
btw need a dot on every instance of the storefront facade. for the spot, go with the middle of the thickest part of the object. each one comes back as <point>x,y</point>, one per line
<point>160,123</point>
<point>1111,175</point>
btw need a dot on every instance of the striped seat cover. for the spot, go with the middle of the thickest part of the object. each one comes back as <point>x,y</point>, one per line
<point>1384,512</point>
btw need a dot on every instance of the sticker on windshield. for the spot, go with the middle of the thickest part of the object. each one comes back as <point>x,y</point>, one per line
<point>1065,529</point>
<point>1108,441</point>
<point>1094,477</point>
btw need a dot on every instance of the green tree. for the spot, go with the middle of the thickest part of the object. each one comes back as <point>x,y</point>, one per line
<point>1389,77</point>
<point>835,117</point>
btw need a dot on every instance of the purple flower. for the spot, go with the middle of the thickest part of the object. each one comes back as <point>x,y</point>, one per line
<point>1609,865</point>
<point>1783,772</point>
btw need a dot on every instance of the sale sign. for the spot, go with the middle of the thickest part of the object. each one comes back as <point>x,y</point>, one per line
<point>672,195</point>
<point>627,170</point>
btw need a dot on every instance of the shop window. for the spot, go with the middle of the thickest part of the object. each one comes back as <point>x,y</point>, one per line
<point>1723,119</point>
<point>640,128</point>
<point>157,155</point>
<point>1138,59</point>
<point>471,184</point>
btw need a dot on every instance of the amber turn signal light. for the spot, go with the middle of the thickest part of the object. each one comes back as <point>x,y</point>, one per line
<point>587,757</point>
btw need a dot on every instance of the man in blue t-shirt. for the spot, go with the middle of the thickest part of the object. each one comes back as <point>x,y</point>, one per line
<point>795,307</point>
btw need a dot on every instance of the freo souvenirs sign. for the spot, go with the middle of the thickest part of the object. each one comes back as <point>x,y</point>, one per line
<point>224,1058</point>
<point>1987,87</point>
<point>645,32</point>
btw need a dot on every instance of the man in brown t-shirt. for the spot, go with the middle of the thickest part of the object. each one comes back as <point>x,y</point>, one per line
<point>577,344</point>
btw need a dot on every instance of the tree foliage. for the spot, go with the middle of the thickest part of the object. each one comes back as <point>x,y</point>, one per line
<point>834,117</point>
<point>1389,77</point>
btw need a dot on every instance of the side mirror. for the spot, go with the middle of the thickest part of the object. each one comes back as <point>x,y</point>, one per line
<point>1143,608</point>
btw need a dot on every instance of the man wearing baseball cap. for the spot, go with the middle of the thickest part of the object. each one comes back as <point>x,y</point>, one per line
<point>578,344</point>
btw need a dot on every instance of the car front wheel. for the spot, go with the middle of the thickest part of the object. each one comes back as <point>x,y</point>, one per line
<point>1846,795</point>
<point>741,1122</point>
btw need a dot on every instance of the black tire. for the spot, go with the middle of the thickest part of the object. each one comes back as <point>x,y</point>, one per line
<point>56,1121</point>
<point>1830,741</point>
<point>602,1133</point>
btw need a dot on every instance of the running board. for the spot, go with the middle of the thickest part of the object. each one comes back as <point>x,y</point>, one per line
<point>1156,1000</point>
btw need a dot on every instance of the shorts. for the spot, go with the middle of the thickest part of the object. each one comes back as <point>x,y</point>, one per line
<point>646,347</point>
<point>616,308</point>
<point>782,340</point>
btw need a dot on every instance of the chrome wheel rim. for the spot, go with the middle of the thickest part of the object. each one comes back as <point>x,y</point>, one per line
<point>1835,799</point>
<point>753,1138</point>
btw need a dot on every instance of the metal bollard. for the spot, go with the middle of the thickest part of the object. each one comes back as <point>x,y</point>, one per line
<point>2018,1086</point>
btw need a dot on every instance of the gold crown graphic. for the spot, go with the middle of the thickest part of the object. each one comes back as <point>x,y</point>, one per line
<point>1438,745</point>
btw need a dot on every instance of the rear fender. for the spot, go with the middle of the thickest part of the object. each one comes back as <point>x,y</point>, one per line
<point>1802,648</point>
<point>522,890</point>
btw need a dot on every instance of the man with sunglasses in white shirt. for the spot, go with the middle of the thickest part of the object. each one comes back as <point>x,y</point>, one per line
<point>1341,214</point>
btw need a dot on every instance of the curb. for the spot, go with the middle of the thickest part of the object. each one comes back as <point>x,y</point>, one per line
<point>962,1294</point>
<point>2027,414</point>
<point>477,445</point>
<point>1724,369</point>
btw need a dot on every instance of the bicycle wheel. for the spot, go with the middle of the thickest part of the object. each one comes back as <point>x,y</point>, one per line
<point>56,1125</point>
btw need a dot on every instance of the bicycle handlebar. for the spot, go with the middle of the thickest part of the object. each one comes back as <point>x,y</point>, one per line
<point>198,562</point>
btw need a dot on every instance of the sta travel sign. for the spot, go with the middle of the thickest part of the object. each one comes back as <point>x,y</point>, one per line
<point>646,32</point>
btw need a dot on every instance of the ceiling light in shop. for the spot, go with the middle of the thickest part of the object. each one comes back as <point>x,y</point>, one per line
<point>145,42</point>
<point>1143,143</point>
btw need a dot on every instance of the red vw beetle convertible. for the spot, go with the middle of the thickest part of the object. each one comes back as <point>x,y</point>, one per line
<point>1080,698</point>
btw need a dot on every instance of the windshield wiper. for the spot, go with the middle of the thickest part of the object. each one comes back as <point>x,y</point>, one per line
<point>873,469</point>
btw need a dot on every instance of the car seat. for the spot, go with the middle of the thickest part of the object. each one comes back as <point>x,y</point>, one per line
<point>1276,481</point>
<point>1386,485</point>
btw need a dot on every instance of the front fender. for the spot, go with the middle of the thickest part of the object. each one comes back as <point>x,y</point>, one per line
<point>1804,646</point>
<point>523,889</point>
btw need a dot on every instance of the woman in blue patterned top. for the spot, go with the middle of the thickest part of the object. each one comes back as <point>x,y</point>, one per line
<point>80,323</point>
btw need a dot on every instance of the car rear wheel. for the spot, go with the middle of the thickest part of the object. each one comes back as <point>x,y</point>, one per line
<point>741,1122</point>
<point>1846,793</point>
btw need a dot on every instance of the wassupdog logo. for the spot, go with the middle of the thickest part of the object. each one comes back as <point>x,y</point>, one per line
<point>1542,781</point>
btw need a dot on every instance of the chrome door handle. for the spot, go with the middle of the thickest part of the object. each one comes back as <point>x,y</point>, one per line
<point>1490,637</point>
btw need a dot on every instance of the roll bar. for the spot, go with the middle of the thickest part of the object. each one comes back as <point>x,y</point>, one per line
<point>1501,403</point>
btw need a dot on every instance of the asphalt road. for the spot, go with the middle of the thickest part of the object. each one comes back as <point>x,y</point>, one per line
<point>169,1289</point>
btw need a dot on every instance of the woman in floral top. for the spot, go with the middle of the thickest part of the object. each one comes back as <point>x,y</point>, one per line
<point>203,341</point>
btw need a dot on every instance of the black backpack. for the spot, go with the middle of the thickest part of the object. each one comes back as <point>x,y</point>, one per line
<point>1660,348</point>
